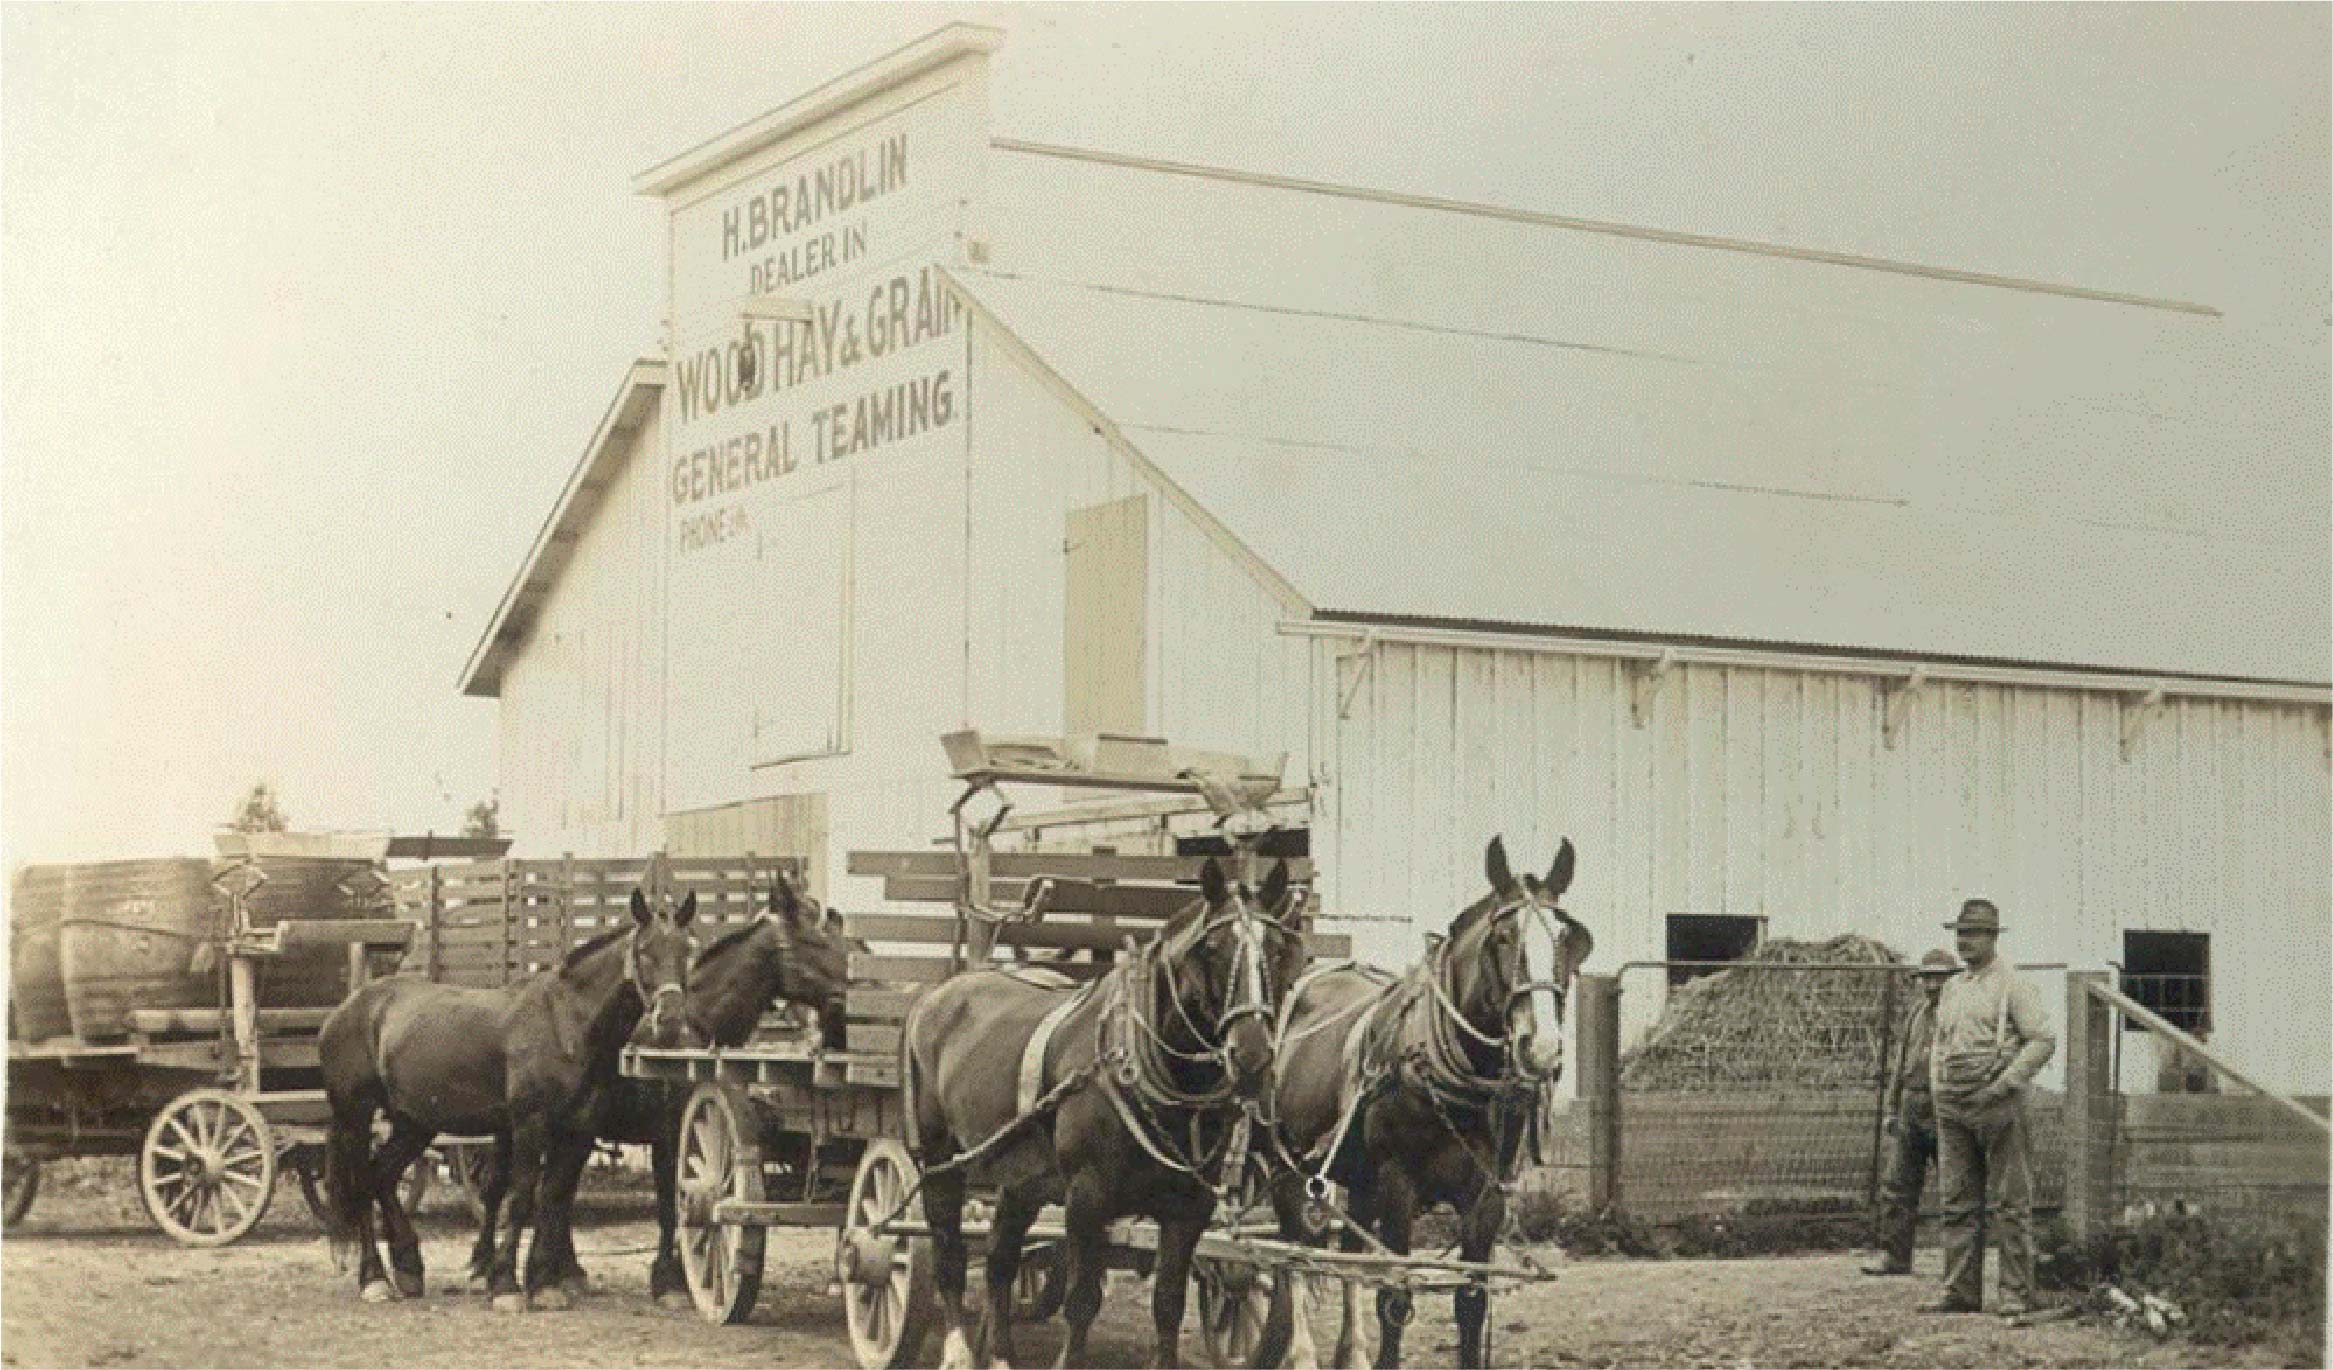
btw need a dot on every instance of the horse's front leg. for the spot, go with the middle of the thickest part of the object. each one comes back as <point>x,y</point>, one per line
<point>943,1206</point>
<point>407,1140</point>
<point>1016,1211</point>
<point>529,1136</point>
<point>666,1282</point>
<point>1478,1232</point>
<point>490,1196</point>
<point>553,1277</point>
<point>1087,1222</point>
<point>1178,1237</point>
<point>1397,1208</point>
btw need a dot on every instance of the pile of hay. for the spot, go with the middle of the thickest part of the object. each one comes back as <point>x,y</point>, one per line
<point>1760,1025</point>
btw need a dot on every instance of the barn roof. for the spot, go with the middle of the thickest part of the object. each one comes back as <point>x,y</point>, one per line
<point>1425,410</point>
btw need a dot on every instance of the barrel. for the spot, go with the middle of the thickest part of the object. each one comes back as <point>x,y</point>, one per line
<point>307,887</point>
<point>129,939</point>
<point>36,984</point>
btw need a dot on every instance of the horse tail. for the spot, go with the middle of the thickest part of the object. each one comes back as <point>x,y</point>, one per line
<point>911,1120</point>
<point>345,1059</point>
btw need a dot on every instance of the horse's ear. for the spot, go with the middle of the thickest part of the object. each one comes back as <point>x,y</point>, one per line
<point>1494,865</point>
<point>834,921</point>
<point>1559,875</point>
<point>687,911</point>
<point>1212,883</point>
<point>639,907</point>
<point>782,896</point>
<point>1276,888</point>
<point>1579,940</point>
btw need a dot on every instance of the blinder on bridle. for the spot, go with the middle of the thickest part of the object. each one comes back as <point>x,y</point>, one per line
<point>1250,994</point>
<point>1531,913</point>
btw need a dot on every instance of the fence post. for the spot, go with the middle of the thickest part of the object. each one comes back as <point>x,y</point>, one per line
<point>437,922</point>
<point>2089,1105</point>
<point>1600,1085</point>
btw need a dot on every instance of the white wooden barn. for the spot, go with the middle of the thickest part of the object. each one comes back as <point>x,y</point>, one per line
<point>1805,593</point>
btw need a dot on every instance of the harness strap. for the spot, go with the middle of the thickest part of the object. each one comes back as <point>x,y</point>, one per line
<point>1033,1054</point>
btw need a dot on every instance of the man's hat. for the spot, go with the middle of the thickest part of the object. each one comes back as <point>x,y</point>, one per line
<point>1938,962</point>
<point>1977,915</point>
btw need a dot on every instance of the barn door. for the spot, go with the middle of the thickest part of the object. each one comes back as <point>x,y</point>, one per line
<point>1105,626</point>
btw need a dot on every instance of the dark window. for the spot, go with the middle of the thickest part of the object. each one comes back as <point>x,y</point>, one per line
<point>1710,937</point>
<point>2170,973</point>
<point>1288,842</point>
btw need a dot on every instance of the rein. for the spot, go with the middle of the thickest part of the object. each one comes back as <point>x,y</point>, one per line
<point>1140,1083</point>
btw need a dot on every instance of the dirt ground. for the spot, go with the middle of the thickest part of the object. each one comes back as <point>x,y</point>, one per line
<point>86,1281</point>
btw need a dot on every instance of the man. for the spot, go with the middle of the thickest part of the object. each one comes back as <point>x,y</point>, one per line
<point>1991,1039</point>
<point>1911,1123</point>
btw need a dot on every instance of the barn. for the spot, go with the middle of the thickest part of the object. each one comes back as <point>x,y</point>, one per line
<point>1806,593</point>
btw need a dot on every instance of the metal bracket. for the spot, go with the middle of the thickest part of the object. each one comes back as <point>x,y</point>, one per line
<point>1366,654</point>
<point>1896,704</point>
<point>1644,684</point>
<point>2136,710</point>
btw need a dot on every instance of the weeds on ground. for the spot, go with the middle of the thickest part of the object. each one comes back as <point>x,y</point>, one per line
<point>1551,1216</point>
<point>2248,1280</point>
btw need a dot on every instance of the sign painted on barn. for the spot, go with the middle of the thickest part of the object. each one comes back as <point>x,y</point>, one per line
<point>847,228</point>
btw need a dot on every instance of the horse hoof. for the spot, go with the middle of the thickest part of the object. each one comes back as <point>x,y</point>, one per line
<point>478,1284</point>
<point>553,1299</point>
<point>956,1353</point>
<point>377,1291</point>
<point>577,1286</point>
<point>410,1287</point>
<point>675,1301</point>
<point>510,1303</point>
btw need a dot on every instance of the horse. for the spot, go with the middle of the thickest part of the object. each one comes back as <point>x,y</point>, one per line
<point>529,1063</point>
<point>791,952</point>
<point>1129,1092</point>
<point>1422,1089</point>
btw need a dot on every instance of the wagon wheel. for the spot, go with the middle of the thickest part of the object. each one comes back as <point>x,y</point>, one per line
<point>1037,1286</point>
<point>21,1174</point>
<point>720,1158</point>
<point>1233,1303</point>
<point>472,1165</point>
<point>886,1281</point>
<point>207,1169</point>
<point>306,1161</point>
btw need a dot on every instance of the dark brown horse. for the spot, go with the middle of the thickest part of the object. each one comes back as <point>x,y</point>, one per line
<point>1152,1071</point>
<point>1424,1089</point>
<point>530,1064</point>
<point>792,952</point>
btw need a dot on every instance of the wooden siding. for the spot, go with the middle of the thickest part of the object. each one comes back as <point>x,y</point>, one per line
<point>1105,628</point>
<point>1775,793</point>
<point>582,700</point>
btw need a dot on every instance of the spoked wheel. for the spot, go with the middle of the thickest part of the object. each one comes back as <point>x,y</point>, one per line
<point>306,1162</point>
<point>472,1166</point>
<point>1233,1303</point>
<point>1037,1287</point>
<point>22,1177</point>
<point>886,1281</point>
<point>207,1169</point>
<point>720,1158</point>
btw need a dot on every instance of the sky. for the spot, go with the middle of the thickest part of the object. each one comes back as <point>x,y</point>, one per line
<point>307,311</point>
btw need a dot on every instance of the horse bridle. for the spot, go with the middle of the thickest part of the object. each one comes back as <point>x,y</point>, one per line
<point>1248,960</point>
<point>1549,919</point>
<point>652,998</point>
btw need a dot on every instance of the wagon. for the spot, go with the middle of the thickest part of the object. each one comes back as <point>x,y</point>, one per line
<point>795,1134</point>
<point>171,979</point>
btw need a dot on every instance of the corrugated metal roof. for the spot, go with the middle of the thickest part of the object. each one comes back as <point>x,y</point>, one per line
<point>1416,411</point>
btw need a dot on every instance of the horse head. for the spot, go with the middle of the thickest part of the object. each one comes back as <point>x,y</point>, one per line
<point>1515,955</point>
<point>814,952</point>
<point>1231,958</point>
<point>658,951</point>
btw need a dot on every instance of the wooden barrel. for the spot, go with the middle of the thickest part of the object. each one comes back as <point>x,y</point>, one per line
<point>36,985</point>
<point>129,939</point>
<point>303,887</point>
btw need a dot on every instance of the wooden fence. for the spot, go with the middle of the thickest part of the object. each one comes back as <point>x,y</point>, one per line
<point>487,923</point>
